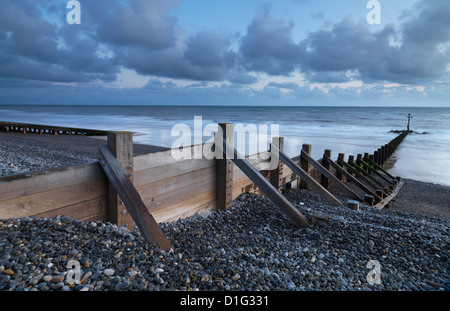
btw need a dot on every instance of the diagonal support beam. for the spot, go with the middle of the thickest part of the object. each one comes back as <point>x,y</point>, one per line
<point>351,178</point>
<point>308,179</point>
<point>330,176</point>
<point>370,180</point>
<point>379,168</point>
<point>265,186</point>
<point>375,171</point>
<point>147,225</point>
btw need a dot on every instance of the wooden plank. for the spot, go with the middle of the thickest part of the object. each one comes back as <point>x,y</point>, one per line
<point>261,164</point>
<point>308,179</point>
<point>147,225</point>
<point>95,208</point>
<point>155,174</point>
<point>368,179</point>
<point>245,184</point>
<point>53,199</point>
<point>351,178</point>
<point>330,176</point>
<point>156,159</point>
<point>358,175</point>
<point>379,168</point>
<point>273,194</point>
<point>35,182</point>
<point>360,161</point>
<point>386,200</point>
<point>202,202</point>
<point>121,146</point>
<point>180,195</point>
<point>177,182</point>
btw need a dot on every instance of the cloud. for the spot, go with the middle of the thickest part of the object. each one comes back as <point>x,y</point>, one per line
<point>423,54</point>
<point>36,49</point>
<point>135,22</point>
<point>268,46</point>
<point>38,46</point>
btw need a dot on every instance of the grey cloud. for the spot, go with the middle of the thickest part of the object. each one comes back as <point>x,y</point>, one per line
<point>268,46</point>
<point>30,48</point>
<point>145,36</point>
<point>423,54</point>
<point>139,23</point>
<point>346,46</point>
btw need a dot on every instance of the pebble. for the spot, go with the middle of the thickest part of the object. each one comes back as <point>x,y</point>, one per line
<point>251,246</point>
<point>47,278</point>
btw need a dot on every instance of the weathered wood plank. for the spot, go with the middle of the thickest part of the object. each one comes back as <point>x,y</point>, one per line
<point>155,174</point>
<point>156,159</point>
<point>367,178</point>
<point>95,208</point>
<point>350,177</point>
<point>30,183</point>
<point>148,227</point>
<point>245,184</point>
<point>386,200</point>
<point>273,194</point>
<point>360,161</point>
<point>180,195</point>
<point>308,179</point>
<point>33,204</point>
<point>175,183</point>
<point>202,202</point>
<point>379,167</point>
<point>330,176</point>
<point>358,175</point>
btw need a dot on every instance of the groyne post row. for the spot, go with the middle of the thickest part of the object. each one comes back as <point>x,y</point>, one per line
<point>157,187</point>
<point>382,154</point>
<point>366,172</point>
<point>28,128</point>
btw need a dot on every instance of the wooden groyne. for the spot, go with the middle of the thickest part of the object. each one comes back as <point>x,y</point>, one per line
<point>153,188</point>
<point>40,129</point>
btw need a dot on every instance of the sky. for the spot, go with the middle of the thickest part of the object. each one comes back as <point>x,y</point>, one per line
<point>225,52</point>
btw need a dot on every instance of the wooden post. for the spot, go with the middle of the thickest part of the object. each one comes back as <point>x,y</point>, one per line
<point>333,179</point>
<point>117,177</point>
<point>224,166</point>
<point>341,157</point>
<point>370,199</point>
<point>304,164</point>
<point>265,186</point>
<point>276,174</point>
<point>352,204</point>
<point>121,146</point>
<point>324,180</point>
<point>308,179</point>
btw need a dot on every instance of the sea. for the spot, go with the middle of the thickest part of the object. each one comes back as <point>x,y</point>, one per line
<point>424,154</point>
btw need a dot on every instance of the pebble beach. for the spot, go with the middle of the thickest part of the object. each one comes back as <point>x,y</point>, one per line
<point>252,246</point>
